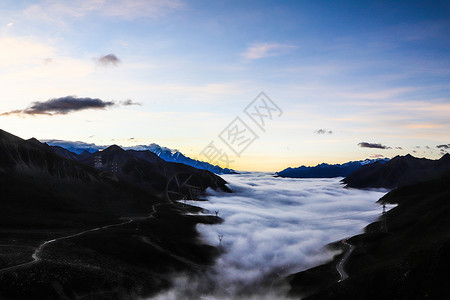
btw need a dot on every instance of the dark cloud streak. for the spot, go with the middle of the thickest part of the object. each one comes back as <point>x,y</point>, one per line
<point>65,105</point>
<point>323,131</point>
<point>108,60</point>
<point>129,102</point>
<point>373,145</point>
<point>444,146</point>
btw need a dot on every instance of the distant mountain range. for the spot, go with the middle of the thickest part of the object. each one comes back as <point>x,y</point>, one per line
<point>399,171</point>
<point>325,170</point>
<point>165,153</point>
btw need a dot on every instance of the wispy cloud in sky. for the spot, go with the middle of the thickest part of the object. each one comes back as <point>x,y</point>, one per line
<point>377,95</point>
<point>139,8</point>
<point>261,50</point>
<point>126,9</point>
<point>24,50</point>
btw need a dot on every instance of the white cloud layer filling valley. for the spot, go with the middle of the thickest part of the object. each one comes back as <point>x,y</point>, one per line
<point>274,227</point>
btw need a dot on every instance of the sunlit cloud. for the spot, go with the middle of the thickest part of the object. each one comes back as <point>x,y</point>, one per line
<point>22,50</point>
<point>26,58</point>
<point>425,126</point>
<point>432,105</point>
<point>261,50</point>
<point>10,24</point>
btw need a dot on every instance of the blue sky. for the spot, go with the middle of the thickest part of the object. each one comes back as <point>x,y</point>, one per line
<point>369,71</point>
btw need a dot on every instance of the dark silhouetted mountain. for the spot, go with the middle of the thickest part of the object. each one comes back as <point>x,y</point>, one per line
<point>83,154</point>
<point>57,149</point>
<point>176,156</point>
<point>410,260</point>
<point>163,152</point>
<point>71,231</point>
<point>146,169</point>
<point>399,171</point>
<point>328,171</point>
<point>42,179</point>
<point>65,153</point>
<point>34,141</point>
<point>75,147</point>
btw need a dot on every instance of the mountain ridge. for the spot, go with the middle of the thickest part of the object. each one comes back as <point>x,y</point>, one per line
<point>165,153</point>
<point>399,171</point>
<point>143,168</point>
<point>324,170</point>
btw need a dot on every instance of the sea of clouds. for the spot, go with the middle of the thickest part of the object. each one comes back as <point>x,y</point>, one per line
<point>274,227</point>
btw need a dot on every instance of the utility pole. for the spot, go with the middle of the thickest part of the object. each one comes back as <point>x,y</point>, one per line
<point>383,227</point>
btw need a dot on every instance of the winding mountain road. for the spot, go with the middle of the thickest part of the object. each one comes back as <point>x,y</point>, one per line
<point>341,263</point>
<point>36,255</point>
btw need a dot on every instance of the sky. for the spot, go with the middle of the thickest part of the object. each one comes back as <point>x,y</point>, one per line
<point>343,80</point>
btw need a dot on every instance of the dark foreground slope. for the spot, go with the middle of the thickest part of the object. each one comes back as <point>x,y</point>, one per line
<point>409,261</point>
<point>70,231</point>
<point>399,171</point>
